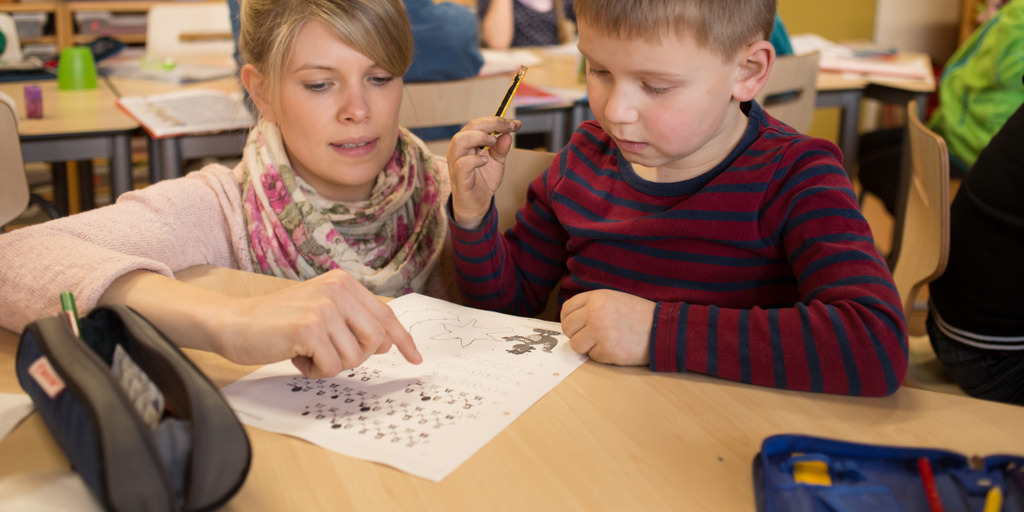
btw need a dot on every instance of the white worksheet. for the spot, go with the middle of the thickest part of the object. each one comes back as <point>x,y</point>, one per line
<point>480,371</point>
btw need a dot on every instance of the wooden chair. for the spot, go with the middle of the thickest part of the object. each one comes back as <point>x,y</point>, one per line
<point>175,29</point>
<point>453,102</point>
<point>791,91</point>
<point>521,168</point>
<point>15,195</point>
<point>922,238</point>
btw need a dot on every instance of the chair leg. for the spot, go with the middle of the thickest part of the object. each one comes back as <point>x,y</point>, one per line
<point>47,206</point>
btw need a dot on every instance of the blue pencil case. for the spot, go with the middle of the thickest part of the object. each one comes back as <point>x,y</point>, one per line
<point>797,473</point>
<point>138,421</point>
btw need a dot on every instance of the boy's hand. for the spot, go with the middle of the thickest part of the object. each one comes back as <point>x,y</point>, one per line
<point>476,164</point>
<point>611,327</point>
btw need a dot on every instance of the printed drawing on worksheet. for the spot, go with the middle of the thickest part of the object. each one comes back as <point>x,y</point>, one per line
<point>480,371</point>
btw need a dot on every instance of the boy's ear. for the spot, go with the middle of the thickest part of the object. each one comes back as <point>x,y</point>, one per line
<point>754,65</point>
<point>253,82</point>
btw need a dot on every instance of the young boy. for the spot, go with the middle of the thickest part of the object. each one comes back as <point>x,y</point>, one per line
<point>688,229</point>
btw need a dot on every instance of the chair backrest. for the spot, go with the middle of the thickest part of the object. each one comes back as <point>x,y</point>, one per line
<point>521,168</point>
<point>451,102</point>
<point>791,91</point>
<point>14,191</point>
<point>921,231</point>
<point>175,29</point>
<point>12,52</point>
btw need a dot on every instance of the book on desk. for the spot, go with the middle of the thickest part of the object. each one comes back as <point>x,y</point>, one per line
<point>188,112</point>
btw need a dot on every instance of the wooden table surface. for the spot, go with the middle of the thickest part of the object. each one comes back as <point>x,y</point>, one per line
<point>606,438</point>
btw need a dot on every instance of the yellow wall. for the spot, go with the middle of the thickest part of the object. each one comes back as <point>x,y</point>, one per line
<point>835,20</point>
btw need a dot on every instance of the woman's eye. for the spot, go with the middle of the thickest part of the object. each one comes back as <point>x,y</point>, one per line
<point>381,80</point>
<point>316,86</point>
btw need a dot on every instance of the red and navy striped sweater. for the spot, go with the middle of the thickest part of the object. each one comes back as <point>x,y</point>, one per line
<point>764,269</point>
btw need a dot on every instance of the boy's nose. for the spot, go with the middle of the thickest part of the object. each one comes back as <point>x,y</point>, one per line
<point>619,107</point>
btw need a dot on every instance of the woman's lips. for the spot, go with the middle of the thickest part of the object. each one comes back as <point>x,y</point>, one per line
<point>355,149</point>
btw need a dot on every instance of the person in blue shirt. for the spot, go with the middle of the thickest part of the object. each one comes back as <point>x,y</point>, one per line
<point>780,38</point>
<point>445,42</point>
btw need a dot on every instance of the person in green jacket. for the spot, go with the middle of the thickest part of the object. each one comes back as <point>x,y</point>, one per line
<point>979,89</point>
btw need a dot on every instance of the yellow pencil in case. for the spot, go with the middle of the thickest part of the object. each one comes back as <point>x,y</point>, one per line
<point>811,472</point>
<point>507,100</point>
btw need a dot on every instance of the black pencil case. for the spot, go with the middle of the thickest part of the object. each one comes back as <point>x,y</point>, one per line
<point>878,478</point>
<point>138,421</point>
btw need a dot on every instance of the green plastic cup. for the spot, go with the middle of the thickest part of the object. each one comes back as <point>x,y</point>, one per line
<point>76,69</point>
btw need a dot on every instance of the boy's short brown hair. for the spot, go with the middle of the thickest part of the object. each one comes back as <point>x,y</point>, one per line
<point>723,26</point>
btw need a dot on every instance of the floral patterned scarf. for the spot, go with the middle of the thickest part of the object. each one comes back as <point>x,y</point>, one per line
<point>389,242</point>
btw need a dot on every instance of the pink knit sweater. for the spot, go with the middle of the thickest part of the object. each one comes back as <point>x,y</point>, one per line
<point>166,227</point>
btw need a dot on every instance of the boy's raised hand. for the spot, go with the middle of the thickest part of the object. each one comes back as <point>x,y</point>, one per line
<point>476,164</point>
<point>609,326</point>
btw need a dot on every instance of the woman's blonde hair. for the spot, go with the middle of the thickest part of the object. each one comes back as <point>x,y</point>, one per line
<point>723,26</point>
<point>378,29</point>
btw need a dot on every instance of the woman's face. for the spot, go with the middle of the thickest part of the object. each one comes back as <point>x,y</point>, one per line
<point>338,114</point>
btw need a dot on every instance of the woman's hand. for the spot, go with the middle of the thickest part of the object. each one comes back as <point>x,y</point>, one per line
<point>476,164</point>
<point>324,325</point>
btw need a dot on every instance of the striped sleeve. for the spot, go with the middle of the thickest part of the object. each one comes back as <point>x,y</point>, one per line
<point>845,332</point>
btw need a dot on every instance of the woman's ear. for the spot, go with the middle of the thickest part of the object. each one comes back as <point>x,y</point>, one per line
<point>754,66</point>
<point>254,83</point>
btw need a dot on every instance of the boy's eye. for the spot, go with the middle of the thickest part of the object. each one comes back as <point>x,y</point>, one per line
<point>655,90</point>
<point>596,72</point>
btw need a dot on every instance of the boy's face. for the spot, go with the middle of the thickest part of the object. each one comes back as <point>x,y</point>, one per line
<point>667,105</point>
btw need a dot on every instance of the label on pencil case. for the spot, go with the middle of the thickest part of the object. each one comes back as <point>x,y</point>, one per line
<point>43,373</point>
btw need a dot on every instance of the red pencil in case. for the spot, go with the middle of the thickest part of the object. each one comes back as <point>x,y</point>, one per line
<point>928,479</point>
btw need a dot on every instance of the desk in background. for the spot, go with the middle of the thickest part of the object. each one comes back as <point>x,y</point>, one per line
<point>166,155</point>
<point>77,125</point>
<point>846,91</point>
<point>606,438</point>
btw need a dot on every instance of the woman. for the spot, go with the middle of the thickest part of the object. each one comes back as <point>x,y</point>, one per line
<point>330,191</point>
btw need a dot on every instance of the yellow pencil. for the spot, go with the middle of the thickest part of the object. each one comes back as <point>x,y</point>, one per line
<point>518,79</point>
<point>994,500</point>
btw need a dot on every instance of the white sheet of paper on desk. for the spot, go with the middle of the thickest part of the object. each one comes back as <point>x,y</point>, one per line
<point>878,68</point>
<point>480,371</point>
<point>183,73</point>
<point>507,61</point>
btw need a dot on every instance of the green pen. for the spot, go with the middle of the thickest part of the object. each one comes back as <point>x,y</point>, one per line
<point>67,304</point>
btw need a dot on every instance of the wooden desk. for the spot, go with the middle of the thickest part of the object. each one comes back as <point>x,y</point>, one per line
<point>76,125</point>
<point>846,91</point>
<point>607,438</point>
<point>166,155</point>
